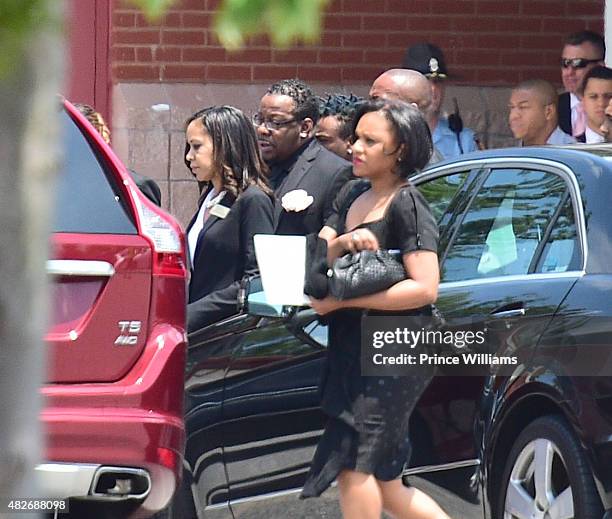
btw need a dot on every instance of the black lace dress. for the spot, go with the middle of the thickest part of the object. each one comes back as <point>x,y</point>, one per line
<point>368,417</point>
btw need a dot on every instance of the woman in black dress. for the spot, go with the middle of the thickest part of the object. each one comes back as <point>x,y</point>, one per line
<point>366,443</point>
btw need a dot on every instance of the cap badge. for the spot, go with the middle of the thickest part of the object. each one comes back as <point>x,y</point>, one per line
<point>433,65</point>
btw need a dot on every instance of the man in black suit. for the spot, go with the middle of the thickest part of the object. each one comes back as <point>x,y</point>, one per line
<point>305,176</point>
<point>582,51</point>
<point>148,187</point>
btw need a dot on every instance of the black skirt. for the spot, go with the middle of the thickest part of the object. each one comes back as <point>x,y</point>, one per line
<point>368,417</point>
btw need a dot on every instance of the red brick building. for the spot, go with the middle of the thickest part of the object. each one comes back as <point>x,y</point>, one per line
<point>487,42</point>
<point>162,73</point>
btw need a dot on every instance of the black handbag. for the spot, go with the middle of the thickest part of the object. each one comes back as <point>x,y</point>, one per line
<point>365,272</point>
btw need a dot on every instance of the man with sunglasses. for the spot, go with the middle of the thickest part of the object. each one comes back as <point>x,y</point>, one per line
<point>582,51</point>
<point>305,176</point>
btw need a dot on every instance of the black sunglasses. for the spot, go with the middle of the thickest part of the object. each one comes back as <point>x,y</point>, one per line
<point>577,62</point>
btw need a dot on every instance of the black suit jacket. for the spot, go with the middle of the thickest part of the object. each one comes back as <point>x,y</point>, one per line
<point>565,112</point>
<point>321,174</point>
<point>224,254</point>
<point>148,187</point>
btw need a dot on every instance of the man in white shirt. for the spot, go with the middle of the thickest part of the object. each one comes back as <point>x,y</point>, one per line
<point>596,94</point>
<point>582,51</point>
<point>449,136</point>
<point>533,114</point>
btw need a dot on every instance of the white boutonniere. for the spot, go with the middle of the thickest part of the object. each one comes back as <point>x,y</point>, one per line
<point>296,200</point>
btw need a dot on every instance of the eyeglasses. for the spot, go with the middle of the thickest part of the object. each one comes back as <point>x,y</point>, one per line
<point>577,62</point>
<point>274,126</point>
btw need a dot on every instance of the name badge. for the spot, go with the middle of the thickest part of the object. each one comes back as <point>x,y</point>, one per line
<point>220,211</point>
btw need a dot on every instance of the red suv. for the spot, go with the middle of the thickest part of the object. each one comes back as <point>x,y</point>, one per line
<point>113,402</point>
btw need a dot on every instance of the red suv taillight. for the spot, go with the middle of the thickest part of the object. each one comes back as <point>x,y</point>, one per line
<point>167,240</point>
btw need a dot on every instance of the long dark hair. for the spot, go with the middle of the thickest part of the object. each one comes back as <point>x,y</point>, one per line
<point>236,153</point>
<point>410,129</point>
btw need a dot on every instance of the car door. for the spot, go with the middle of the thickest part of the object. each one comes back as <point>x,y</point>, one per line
<point>271,415</point>
<point>209,356</point>
<point>492,279</point>
<point>100,270</point>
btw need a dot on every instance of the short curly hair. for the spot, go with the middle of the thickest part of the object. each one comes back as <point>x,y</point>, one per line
<point>306,104</point>
<point>342,107</point>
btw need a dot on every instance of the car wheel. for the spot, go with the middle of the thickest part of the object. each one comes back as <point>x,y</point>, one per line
<point>547,475</point>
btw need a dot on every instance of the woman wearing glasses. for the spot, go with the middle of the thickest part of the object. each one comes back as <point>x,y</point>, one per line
<point>366,441</point>
<point>221,151</point>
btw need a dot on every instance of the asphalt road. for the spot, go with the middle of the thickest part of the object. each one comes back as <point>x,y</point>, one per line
<point>327,506</point>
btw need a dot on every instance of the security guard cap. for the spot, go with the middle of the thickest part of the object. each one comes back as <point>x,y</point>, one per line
<point>427,59</point>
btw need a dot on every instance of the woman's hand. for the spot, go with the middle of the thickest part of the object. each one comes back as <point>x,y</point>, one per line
<point>361,239</point>
<point>325,306</point>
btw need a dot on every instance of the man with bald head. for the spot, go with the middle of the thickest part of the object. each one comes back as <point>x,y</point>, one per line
<point>533,114</point>
<point>409,86</point>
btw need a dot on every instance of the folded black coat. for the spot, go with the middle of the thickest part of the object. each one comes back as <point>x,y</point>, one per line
<point>316,282</point>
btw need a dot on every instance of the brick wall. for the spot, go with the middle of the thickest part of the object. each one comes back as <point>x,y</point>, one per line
<point>487,42</point>
<point>163,73</point>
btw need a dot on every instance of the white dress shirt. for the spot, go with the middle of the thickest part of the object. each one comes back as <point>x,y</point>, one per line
<point>592,137</point>
<point>192,237</point>
<point>574,102</point>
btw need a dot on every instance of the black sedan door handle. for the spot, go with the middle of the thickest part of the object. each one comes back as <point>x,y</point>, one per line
<point>501,314</point>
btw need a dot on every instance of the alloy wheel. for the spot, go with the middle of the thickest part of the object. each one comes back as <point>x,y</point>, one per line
<point>539,485</point>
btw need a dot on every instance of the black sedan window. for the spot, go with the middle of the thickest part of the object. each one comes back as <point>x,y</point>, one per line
<point>440,192</point>
<point>505,224</point>
<point>561,251</point>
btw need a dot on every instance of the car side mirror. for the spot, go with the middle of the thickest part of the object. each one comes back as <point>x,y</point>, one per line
<point>252,299</point>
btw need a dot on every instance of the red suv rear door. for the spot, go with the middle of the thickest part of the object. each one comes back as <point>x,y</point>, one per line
<point>100,270</point>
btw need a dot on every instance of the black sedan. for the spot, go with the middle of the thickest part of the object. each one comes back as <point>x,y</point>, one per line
<point>525,254</point>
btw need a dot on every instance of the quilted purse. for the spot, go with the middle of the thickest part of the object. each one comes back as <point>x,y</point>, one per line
<point>365,272</point>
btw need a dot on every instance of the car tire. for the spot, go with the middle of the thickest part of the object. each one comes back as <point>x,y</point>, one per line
<point>547,475</point>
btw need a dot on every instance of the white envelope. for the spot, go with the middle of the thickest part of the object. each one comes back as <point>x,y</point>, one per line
<point>282,265</point>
